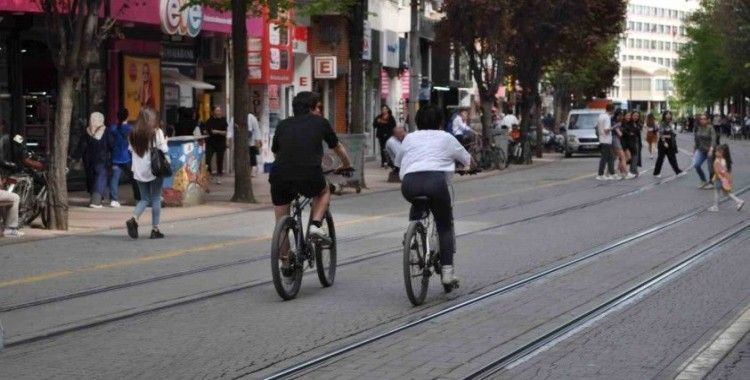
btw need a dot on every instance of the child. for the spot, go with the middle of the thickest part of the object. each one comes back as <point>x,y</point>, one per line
<point>723,177</point>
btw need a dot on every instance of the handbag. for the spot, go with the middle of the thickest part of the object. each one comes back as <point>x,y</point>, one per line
<point>160,165</point>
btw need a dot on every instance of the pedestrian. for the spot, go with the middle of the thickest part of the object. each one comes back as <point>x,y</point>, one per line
<point>629,146</point>
<point>637,138</point>
<point>393,145</point>
<point>604,132</point>
<point>723,177</point>
<point>705,142</point>
<point>652,134</point>
<point>383,126</point>
<point>461,129</point>
<point>96,159</point>
<point>117,139</point>
<point>617,137</point>
<point>216,145</point>
<point>10,214</point>
<point>254,142</point>
<point>145,137</point>
<point>666,145</point>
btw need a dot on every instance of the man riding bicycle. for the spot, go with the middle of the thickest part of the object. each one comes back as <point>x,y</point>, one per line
<point>298,150</point>
<point>427,160</point>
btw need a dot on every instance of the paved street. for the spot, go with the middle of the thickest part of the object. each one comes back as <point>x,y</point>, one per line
<point>200,304</point>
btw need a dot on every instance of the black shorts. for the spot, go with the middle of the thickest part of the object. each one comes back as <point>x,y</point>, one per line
<point>283,192</point>
<point>254,152</point>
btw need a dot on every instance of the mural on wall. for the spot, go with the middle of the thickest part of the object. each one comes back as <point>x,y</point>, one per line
<point>141,83</point>
<point>189,184</point>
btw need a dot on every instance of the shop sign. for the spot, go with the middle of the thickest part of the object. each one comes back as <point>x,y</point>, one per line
<point>405,83</point>
<point>178,53</point>
<point>367,42</point>
<point>325,67</point>
<point>299,42</point>
<point>270,57</point>
<point>385,84</point>
<point>176,20</point>
<point>390,49</point>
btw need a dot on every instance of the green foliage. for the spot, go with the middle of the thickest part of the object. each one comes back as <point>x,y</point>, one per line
<point>279,7</point>
<point>714,62</point>
<point>587,76</point>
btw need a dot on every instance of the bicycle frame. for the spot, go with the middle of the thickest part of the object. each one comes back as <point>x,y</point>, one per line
<point>298,206</point>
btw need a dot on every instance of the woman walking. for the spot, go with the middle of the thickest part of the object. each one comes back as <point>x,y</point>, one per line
<point>617,143</point>
<point>146,136</point>
<point>637,138</point>
<point>666,145</point>
<point>705,142</point>
<point>652,134</point>
<point>723,177</point>
<point>96,159</point>
<point>384,125</point>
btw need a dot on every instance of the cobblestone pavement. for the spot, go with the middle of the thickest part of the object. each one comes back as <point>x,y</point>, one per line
<point>509,226</point>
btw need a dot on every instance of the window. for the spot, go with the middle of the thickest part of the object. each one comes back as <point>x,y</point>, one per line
<point>646,27</point>
<point>661,29</point>
<point>631,43</point>
<point>661,61</point>
<point>624,57</point>
<point>631,58</point>
<point>683,31</point>
<point>661,45</point>
<point>653,59</point>
<point>638,26</point>
<point>653,45</point>
<point>663,85</point>
<point>639,84</point>
<point>639,43</point>
<point>661,12</point>
<point>639,58</point>
<point>631,25</point>
<point>668,45</point>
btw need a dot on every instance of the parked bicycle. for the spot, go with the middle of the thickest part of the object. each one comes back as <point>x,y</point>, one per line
<point>28,179</point>
<point>421,251</point>
<point>487,154</point>
<point>292,247</point>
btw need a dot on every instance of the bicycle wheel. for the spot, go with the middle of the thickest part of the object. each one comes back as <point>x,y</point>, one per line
<point>285,269</point>
<point>45,210</point>
<point>325,255</point>
<point>416,268</point>
<point>27,207</point>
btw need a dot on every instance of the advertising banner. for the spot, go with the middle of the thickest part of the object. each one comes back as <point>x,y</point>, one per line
<point>141,83</point>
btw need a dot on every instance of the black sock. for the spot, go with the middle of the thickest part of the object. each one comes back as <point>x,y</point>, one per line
<point>317,223</point>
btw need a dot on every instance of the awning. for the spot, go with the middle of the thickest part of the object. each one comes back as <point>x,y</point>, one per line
<point>173,76</point>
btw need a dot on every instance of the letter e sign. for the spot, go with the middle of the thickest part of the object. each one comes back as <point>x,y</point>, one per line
<point>325,67</point>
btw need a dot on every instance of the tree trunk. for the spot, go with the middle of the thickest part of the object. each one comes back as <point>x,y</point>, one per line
<point>487,104</point>
<point>243,189</point>
<point>536,119</point>
<point>57,177</point>
<point>356,36</point>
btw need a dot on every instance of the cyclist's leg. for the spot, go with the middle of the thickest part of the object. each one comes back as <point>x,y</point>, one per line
<point>321,201</point>
<point>442,210</point>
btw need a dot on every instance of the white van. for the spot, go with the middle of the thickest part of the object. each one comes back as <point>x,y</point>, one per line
<point>580,131</point>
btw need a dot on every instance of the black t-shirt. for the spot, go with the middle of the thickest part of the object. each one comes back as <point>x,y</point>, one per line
<point>298,146</point>
<point>214,124</point>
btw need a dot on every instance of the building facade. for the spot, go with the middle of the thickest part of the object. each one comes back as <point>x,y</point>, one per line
<point>649,50</point>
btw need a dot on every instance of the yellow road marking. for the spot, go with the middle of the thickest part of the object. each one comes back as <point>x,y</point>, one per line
<point>235,242</point>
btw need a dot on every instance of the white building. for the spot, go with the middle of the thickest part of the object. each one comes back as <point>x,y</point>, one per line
<point>649,51</point>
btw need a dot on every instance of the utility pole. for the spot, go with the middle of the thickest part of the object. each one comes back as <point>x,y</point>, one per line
<point>415,63</point>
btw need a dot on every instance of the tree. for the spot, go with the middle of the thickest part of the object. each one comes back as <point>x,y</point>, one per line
<point>75,32</point>
<point>577,80</point>
<point>481,29</point>
<point>549,31</point>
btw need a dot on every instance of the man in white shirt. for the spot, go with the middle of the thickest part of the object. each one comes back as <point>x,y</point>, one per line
<point>604,131</point>
<point>254,141</point>
<point>509,120</point>
<point>461,129</point>
<point>393,145</point>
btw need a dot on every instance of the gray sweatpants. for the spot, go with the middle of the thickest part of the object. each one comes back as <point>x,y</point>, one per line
<point>11,214</point>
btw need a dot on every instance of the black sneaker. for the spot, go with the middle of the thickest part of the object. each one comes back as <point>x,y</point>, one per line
<point>132,228</point>
<point>156,234</point>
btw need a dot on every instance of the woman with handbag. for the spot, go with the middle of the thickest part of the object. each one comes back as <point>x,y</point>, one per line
<point>667,145</point>
<point>150,166</point>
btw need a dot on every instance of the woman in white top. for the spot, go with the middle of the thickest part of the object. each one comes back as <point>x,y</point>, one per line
<point>427,159</point>
<point>146,135</point>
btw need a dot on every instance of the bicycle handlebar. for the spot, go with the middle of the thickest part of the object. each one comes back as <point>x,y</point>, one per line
<point>468,172</point>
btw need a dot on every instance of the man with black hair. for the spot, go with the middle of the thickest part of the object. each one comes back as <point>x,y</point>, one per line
<point>298,149</point>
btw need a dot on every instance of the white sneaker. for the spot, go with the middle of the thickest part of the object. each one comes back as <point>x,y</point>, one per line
<point>601,178</point>
<point>319,233</point>
<point>13,233</point>
<point>95,206</point>
<point>713,209</point>
<point>740,204</point>
<point>630,176</point>
<point>610,178</point>
<point>447,277</point>
<point>657,175</point>
<point>115,204</point>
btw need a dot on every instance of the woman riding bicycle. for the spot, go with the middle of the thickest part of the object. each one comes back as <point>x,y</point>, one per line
<point>427,160</point>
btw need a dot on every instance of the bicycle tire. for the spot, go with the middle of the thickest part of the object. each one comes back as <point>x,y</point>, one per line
<point>326,264</point>
<point>281,234</point>
<point>45,210</point>
<point>27,208</point>
<point>416,283</point>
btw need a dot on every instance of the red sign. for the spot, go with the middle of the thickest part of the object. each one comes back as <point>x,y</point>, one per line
<point>325,67</point>
<point>385,84</point>
<point>269,49</point>
<point>405,80</point>
<point>300,39</point>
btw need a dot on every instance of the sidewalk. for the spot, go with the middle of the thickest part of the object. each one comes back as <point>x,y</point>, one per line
<point>84,219</point>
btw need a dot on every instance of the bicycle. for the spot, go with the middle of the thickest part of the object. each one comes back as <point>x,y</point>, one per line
<point>487,155</point>
<point>292,238</point>
<point>421,252</point>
